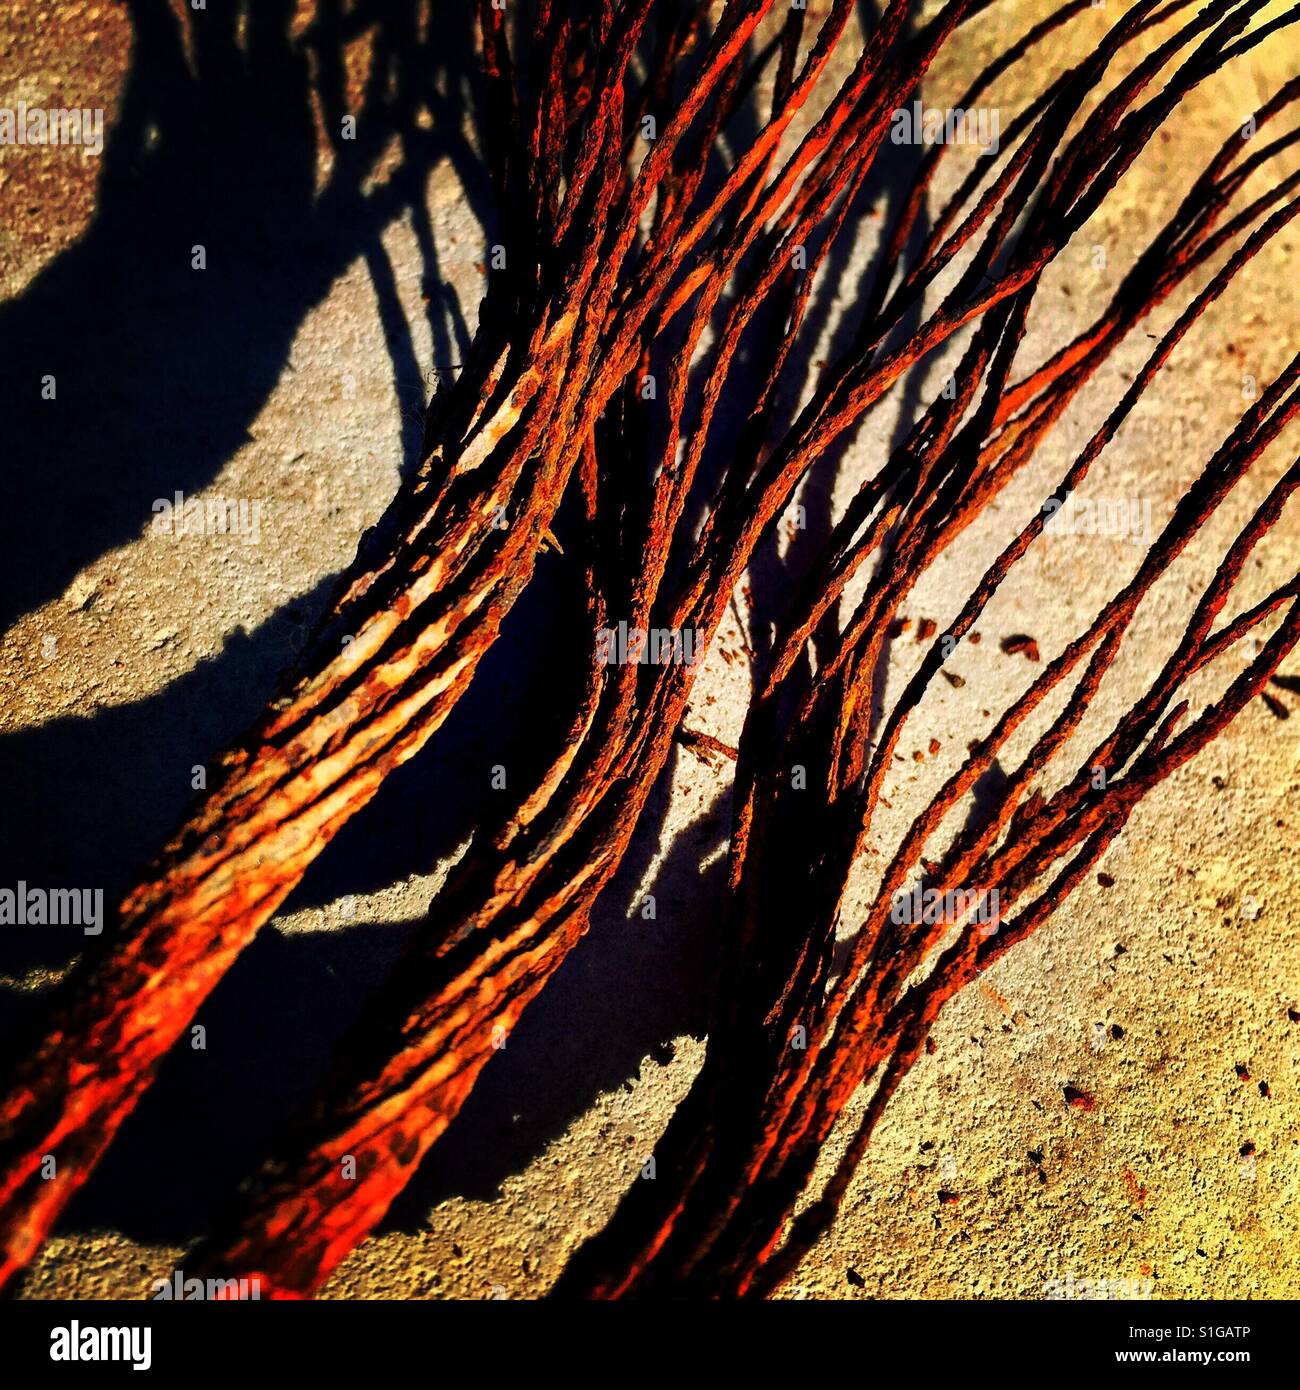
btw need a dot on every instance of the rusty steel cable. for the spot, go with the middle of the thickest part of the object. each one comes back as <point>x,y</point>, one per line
<point>517,906</point>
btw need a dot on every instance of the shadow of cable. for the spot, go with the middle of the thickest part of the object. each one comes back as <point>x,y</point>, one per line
<point>158,366</point>
<point>629,988</point>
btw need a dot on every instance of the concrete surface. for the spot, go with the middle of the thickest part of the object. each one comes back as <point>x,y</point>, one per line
<point>291,377</point>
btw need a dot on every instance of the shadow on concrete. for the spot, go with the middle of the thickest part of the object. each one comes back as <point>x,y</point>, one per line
<point>160,368</point>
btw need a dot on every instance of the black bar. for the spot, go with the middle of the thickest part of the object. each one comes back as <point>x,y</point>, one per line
<point>492,1340</point>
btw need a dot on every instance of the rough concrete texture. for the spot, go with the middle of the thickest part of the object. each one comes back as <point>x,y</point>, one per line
<point>1170,995</point>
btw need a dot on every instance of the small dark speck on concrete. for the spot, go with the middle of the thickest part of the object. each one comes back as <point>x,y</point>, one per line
<point>1021,642</point>
<point>855,1278</point>
<point>1080,1100</point>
